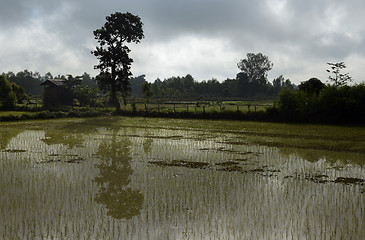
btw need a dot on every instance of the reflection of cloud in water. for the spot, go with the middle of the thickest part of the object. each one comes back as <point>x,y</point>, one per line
<point>71,134</point>
<point>68,139</point>
<point>121,201</point>
<point>6,135</point>
<point>331,157</point>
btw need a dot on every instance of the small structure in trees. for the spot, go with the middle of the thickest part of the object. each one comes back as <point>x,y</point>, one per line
<point>56,93</point>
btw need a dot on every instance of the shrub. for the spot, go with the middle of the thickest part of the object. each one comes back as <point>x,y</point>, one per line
<point>292,104</point>
<point>332,105</point>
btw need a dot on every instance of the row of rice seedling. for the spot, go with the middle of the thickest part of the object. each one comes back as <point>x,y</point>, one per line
<point>133,178</point>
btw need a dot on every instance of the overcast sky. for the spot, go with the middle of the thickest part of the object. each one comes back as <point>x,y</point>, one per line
<point>204,38</point>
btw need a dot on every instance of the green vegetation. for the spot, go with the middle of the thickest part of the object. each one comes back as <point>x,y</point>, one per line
<point>328,104</point>
<point>114,61</point>
<point>251,83</point>
<point>28,80</point>
<point>56,113</point>
<point>7,96</point>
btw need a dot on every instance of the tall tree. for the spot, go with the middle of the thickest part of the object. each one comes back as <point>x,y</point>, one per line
<point>256,67</point>
<point>114,61</point>
<point>339,79</point>
<point>147,91</point>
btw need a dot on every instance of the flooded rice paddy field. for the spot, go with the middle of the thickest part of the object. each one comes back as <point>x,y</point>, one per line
<point>137,178</point>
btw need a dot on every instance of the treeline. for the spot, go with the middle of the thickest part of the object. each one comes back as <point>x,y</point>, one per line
<point>316,102</point>
<point>28,80</point>
<point>242,87</point>
<point>172,88</point>
<point>31,81</point>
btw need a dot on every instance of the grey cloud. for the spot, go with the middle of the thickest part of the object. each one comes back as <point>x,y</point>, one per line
<point>309,30</point>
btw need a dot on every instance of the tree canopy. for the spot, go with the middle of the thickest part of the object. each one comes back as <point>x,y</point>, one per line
<point>113,54</point>
<point>312,86</point>
<point>256,66</point>
<point>28,80</point>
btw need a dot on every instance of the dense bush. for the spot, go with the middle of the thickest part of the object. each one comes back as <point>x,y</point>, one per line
<point>19,92</point>
<point>331,105</point>
<point>345,104</point>
<point>7,96</point>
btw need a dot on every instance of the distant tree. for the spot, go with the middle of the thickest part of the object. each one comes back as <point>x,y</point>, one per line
<point>19,93</point>
<point>147,91</point>
<point>278,84</point>
<point>256,67</point>
<point>229,88</point>
<point>136,84</point>
<point>244,85</point>
<point>7,96</point>
<point>339,79</point>
<point>76,89</point>
<point>88,81</point>
<point>312,86</point>
<point>114,61</point>
<point>28,80</point>
<point>73,82</point>
<point>85,95</point>
<point>9,75</point>
<point>288,84</point>
<point>48,76</point>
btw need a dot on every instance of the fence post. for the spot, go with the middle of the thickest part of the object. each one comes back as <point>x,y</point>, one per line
<point>174,108</point>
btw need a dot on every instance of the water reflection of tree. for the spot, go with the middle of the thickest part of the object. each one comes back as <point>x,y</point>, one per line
<point>72,134</point>
<point>147,142</point>
<point>121,201</point>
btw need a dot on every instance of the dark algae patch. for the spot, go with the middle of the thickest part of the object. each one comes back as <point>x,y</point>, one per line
<point>320,178</point>
<point>51,161</point>
<point>72,159</point>
<point>265,171</point>
<point>228,166</point>
<point>228,163</point>
<point>349,180</point>
<point>181,163</point>
<point>14,150</point>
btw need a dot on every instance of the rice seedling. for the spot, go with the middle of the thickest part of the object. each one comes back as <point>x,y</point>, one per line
<point>137,178</point>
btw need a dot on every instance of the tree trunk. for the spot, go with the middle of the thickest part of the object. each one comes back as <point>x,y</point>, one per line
<point>114,98</point>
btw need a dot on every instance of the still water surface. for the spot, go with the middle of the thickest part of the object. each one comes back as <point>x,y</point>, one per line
<point>135,178</point>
